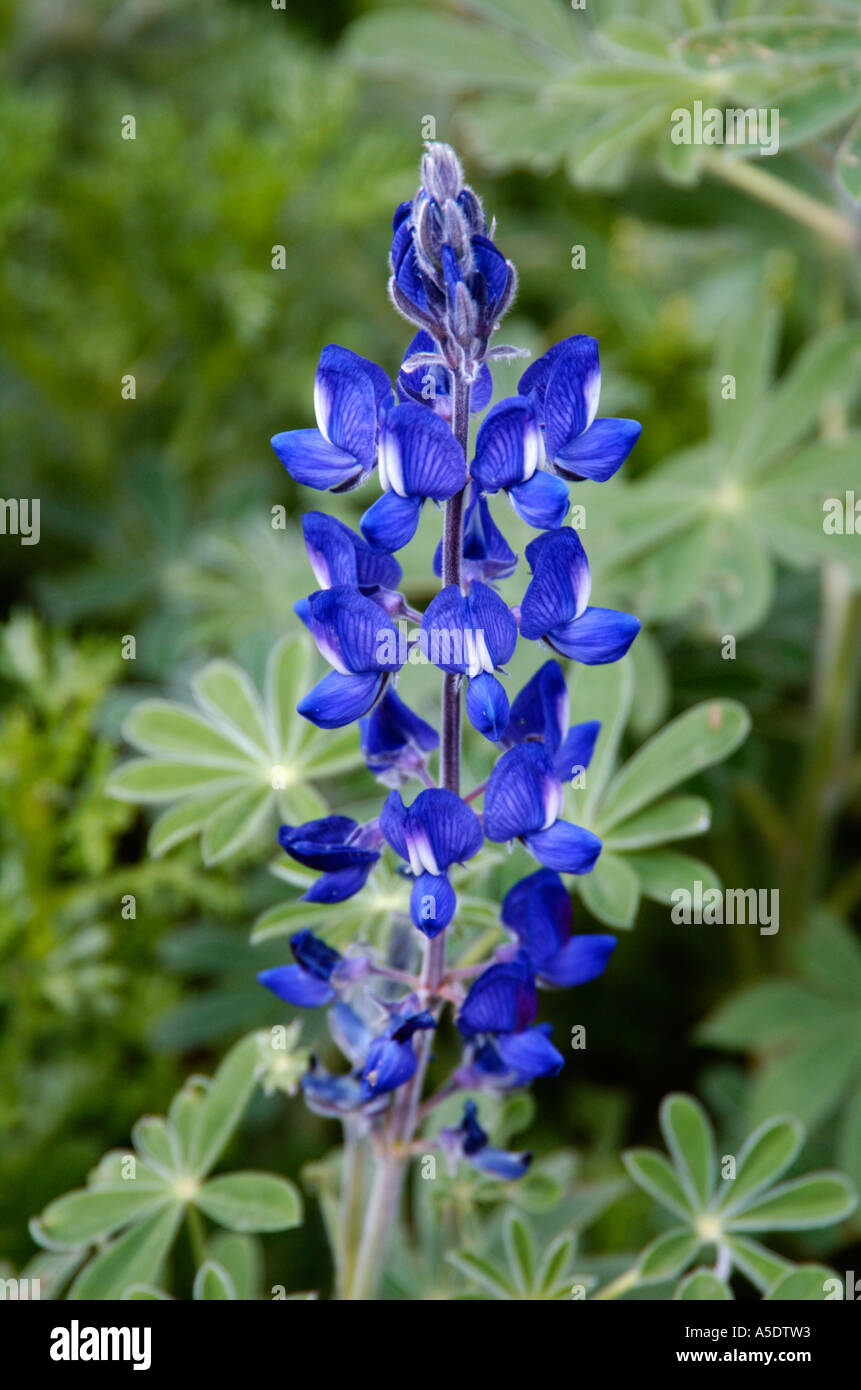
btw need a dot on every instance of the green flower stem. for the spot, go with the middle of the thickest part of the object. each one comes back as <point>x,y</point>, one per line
<point>750,178</point>
<point>404,1114</point>
<point>351,1206</point>
<point>196,1235</point>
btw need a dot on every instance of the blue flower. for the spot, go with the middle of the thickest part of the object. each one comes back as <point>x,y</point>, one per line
<point>419,458</point>
<point>308,983</point>
<point>555,607</point>
<point>508,452</point>
<point>523,800</point>
<point>349,392</point>
<point>344,851</point>
<point>564,386</point>
<point>486,554</point>
<point>473,634</point>
<point>470,1142</point>
<point>438,830</point>
<point>356,637</point>
<point>495,1020</point>
<point>391,1058</point>
<point>337,1096</point>
<point>395,742</point>
<point>540,711</point>
<point>426,379</point>
<point>538,911</point>
<point>339,557</point>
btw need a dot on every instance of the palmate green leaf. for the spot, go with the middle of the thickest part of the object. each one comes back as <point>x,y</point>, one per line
<point>225,1101</point>
<point>805,1283</point>
<point>820,1199</point>
<point>212,1283</point>
<point>150,780</point>
<point>828,366</point>
<point>702,736</point>
<point>817,106</point>
<point>677,818</point>
<point>809,1079</point>
<point>240,1255</point>
<point>158,1141</point>
<point>136,1257</point>
<point>702,1285</point>
<point>519,1251</point>
<point>657,1176</point>
<point>664,872</point>
<point>555,1261</point>
<point>480,1271</point>
<point>604,693</point>
<point>288,677</point>
<point>849,1141</point>
<point>762,1267</point>
<point>690,1139</point>
<point>765,1015</point>
<point>546,23</point>
<point>746,350</point>
<point>251,1202</point>
<point>611,891</point>
<point>667,1255</point>
<point>454,53</point>
<point>180,823</point>
<point>799,41</point>
<point>764,1157</point>
<point>174,730</point>
<point>90,1214</point>
<point>225,691</point>
<point>237,821</point>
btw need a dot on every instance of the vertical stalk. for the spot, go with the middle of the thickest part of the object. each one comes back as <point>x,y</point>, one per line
<point>389,1176</point>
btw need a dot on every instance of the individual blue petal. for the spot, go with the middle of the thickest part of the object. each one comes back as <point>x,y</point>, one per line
<point>324,843</point>
<point>419,455</point>
<point>296,986</point>
<point>486,553</point>
<point>574,754</point>
<point>393,737</point>
<point>337,700</point>
<point>432,903</point>
<point>542,501</point>
<point>351,631</point>
<point>337,887</point>
<point>339,557</point>
<point>441,830</point>
<point>487,706</point>
<point>599,452</point>
<point>351,1033</point>
<point>567,848</point>
<point>493,629</point>
<point>482,390</point>
<point>403,1025</point>
<point>391,522</point>
<point>540,710</point>
<point>348,391</point>
<point>493,268</point>
<point>581,959</point>
<point>571,398</point>
<point>389,1065</point>
<point>523,794</point>
<point>599,636</point>
<point>560,585</point>
<point>530,1054</point>
<point>537,375</point>
<point>502,1164</point>
<point>508,445</point>
<point>310,459</point>
<point>335,1095</point>
<point>314,954</point>
<point>538,910</point>
<point>393,823</point>
<point>502,1000</point>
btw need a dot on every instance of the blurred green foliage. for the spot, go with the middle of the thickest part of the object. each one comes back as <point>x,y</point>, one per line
<point>256,129</point>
